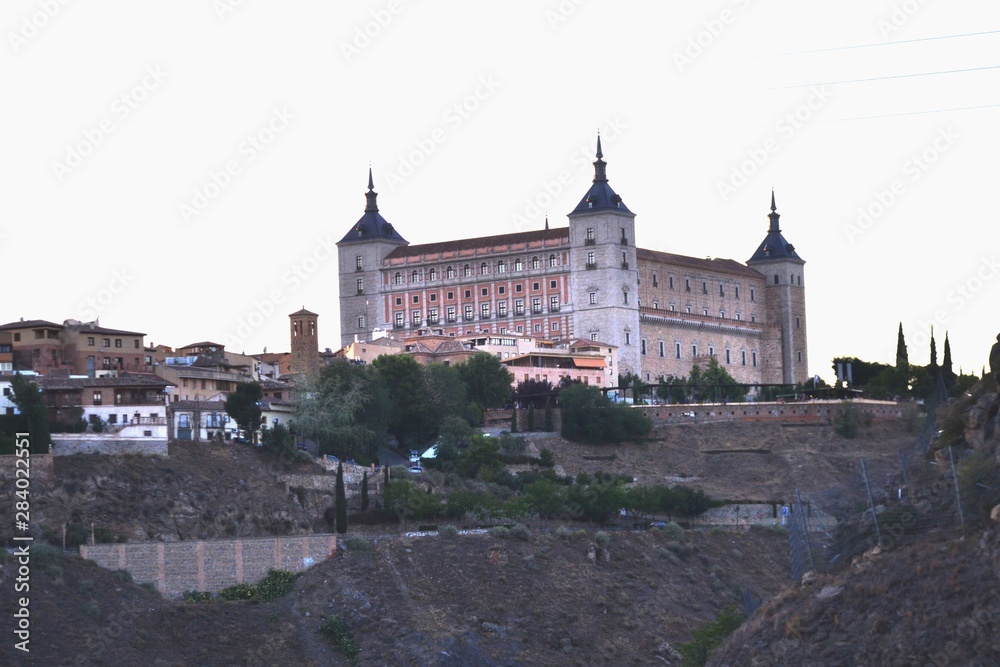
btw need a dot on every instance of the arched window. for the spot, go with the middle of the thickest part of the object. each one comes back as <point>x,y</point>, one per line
<point>534,262</point>
<point>451,272</point>
<point>432,274</point>
<point>482,269</point>
<point>413,277</point>
<point>398,278</point>
<point>467,271</point>
<point>775,278</point>
<point>501,266</point>
<point>552,260</point>
<point>518,264</point>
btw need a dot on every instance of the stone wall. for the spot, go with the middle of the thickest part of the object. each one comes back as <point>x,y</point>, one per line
<point>811,412</point>
<point>40,467</point>
<point>66,445</point>
<point>210,565</point>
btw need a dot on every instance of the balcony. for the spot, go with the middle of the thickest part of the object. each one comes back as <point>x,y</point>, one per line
<point>467,317</point>
<point>432,321</point>
<point>485,316</point>
<point>553,309</point>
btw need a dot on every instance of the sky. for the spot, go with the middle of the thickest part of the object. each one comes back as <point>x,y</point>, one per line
<point>184,169</point>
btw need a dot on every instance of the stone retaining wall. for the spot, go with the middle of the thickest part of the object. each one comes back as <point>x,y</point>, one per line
<point>66,445</point>
<point>210,565</point>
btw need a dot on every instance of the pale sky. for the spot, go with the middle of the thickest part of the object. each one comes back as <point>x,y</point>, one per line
<point>183,169</point>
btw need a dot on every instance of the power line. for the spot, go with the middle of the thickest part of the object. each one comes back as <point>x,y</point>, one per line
<point>865,46</point>
<point>910,113</point>
<point>884,78</point>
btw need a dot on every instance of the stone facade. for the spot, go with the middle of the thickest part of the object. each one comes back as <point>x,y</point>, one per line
<point>589,280</point>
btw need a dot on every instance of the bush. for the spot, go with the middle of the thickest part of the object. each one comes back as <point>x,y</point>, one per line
<point>672,531</point>
<point>589,416</point>
<point>979,485</point>
<point>520,532</point>
<point>357,543</point>
<point>449,532</point>
<point>197,596</point>
<point>705,639</point>
<point>563,533</point>
<point>238,592</point>
<point>501,532</point>
<point>276,584</point>
<point>601,538</point>
<point>336,630</point>
<point>846,423</point>
<point>546,458</point>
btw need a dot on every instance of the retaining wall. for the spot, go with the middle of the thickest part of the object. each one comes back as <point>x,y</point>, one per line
<point>211,565</point>
<point>66,445</point>
<point>811,412</point>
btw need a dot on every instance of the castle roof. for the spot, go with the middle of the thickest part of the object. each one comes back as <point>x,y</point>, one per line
<point>774,246</point>
<point>372,225</point>
<point>600,196</point>
<point>717,265</point>
<point>480,242</point>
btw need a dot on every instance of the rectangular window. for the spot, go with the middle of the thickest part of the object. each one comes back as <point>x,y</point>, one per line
<point>107,342</point>
<point>432,316</point>
<point>519,306</point>
<point>677,350</point>
<point>450,296</point>
<point>399,320</point>
<point>642,346</point>
<point>535,287</point>
<point>361,322</point>
<point>536,305</point>
<point>743,357</point>
<point>553,304</point>
<point>722,291</point>
<point>361,285</point>
<point>628,339</point>
<point>484,311</point>
<point>98,398</point>
<point>501,289</point>
<point>468,313</point>
<point>798,324</point>
<point>415,317</point>
<point>625,297</point>
<point>753,356</point>
<point>752,292</point>
<point>518,288</point>
<point>662,349</point>
<point>670,281</point>
<point>654,280</point>
<point>694,350</point>
<point>593,297</point>
<point>687,284</point>
<point>728,357</point>
<point>553,284</point>
<point>90,341</point>
<point>451,313</point>
<point>737,289</point>
<point>359,264</point>
<point>590,233</point>
<point>501,309</point>
<point>704,287</point>
<point>538,328</point>
<point>555,327</point>
<point>593,336</point>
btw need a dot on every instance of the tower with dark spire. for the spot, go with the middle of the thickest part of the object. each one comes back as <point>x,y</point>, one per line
<point>360,254</point>
<point>784,345</point>
<point>603,263</point>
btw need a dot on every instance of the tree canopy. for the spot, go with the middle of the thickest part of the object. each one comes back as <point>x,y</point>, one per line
<point>487,381</point>
<point>243,405</point>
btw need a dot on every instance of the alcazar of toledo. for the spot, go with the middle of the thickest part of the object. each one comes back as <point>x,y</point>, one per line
<point>589,280</point>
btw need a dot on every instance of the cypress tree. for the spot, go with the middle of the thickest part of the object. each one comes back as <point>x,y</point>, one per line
<point>946,371</point>
<point>513,420</point>
<point>531,417</point>
<point>341,501</point>
<point>364,492</point>
<point>548,414</point>
<point>385,475</point>
<point>902,359</point>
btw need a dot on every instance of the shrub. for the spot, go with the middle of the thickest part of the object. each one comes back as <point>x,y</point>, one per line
<point>601,538</point>
<point>501,532</point>
<point>520,532</point>
<point>546,458</point>
<point>672,531</point>
<point>449,532</point>
<point>275,584</point>
<point>197,596</point>
<point>978,475</point>
<point>357,543</point>
<point>706,638</point>
<point>846,423</point>
<point>336,630</point>
<point>563,533</point>
<point>238,592</point>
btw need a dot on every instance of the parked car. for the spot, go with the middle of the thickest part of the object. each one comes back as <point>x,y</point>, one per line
<point>415,469</point>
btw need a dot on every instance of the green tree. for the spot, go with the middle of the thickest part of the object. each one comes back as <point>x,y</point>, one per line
<point>446,394</point>
<point>533,391</point>
<point>364,492</point>
<point>714,383</point>
<point>589,416</point>
<point>548,415</point>
<point>344,408</point>
<point>487,381</point>
<point>531,417</point>
<point>243,405</point>
<point>902,358</point>
<point>278,440</point>
<point>513,420</point>
<point>946,370</point>
<point>31,404</point>
<point>410,420</point>
<point>341,501</point>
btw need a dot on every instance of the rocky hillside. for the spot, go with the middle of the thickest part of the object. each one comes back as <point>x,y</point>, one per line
<point>933,601</point>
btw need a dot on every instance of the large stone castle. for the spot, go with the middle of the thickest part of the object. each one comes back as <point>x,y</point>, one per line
<point>590,280</point>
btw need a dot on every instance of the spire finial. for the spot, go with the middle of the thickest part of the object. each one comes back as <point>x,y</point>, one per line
<point>773,215</point>
<point>546,221</point>
<point>371,206</point>
<point>600,166</point>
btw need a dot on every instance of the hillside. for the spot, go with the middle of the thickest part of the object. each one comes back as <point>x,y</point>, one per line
<point>468,600</point>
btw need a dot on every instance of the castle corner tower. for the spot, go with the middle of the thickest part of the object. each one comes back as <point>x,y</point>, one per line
<point>305,341</point>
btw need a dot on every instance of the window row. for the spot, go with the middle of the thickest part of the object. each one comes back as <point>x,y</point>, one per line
<point>662,351</point>
<point>704,287</point>
<point>485,268</point>
<point>106,342</point>
<point>469,312</point>
<point>484,292</point>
